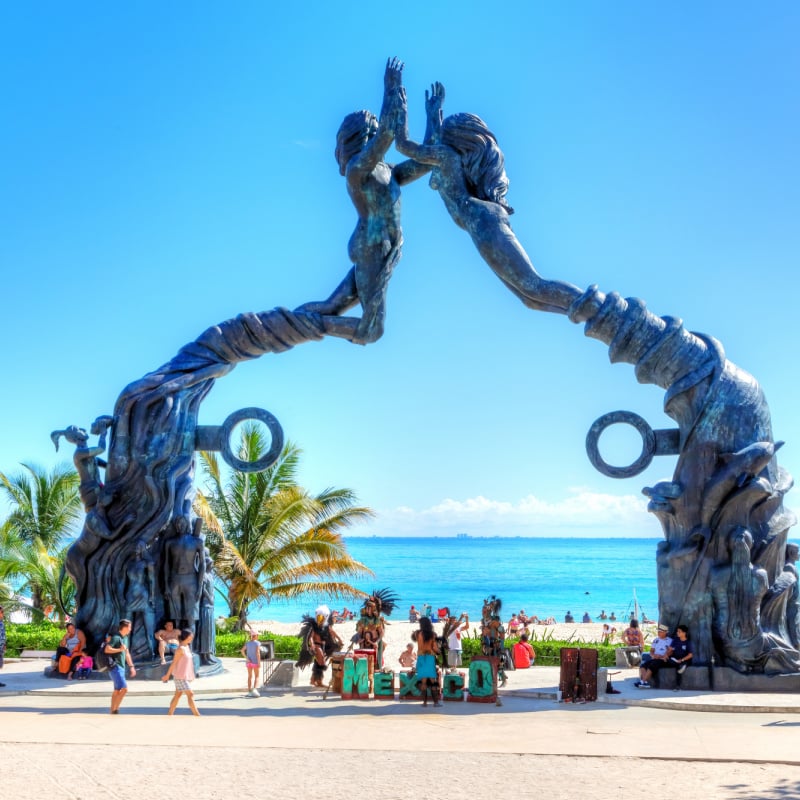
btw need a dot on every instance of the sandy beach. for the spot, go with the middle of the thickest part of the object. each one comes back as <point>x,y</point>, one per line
<point>398,632</point>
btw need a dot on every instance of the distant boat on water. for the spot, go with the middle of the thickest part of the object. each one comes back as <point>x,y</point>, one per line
<point>463,536</point>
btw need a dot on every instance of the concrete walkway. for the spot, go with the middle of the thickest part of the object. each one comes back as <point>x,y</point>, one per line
<point>57,736</point>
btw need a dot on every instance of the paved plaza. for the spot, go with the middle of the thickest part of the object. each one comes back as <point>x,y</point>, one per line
<point>58,737</point>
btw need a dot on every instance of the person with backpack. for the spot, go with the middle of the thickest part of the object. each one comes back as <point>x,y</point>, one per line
<point>117,646</point>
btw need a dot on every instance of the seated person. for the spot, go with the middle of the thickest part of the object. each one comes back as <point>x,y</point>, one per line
<point>413,614</point>
<point>568,617</point>
<point>613,617</point>
<point>586,617</point>
<point>168,639</point>
<point>660,652</point>
<point>633,636</point>
<point>603,614</point>
<point>72,644</point>
<point>408,658</point>
<point>682,652</point>
<point>522,653</point>
<point>524,620</point>
<point>84,667</point>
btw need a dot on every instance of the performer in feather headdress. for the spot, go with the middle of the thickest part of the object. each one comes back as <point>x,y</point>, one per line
<point>320,642</point>
<point>493,634</point>
<point>371,624</point>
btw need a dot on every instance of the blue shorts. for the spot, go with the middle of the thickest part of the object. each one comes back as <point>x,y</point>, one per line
<point>117,674</point>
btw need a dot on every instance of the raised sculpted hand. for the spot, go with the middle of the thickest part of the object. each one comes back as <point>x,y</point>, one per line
<point>393,76</point>
<point>434,100</point>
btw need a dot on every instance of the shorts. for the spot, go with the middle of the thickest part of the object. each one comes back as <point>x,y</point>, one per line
<point>453,658</point>
<point>117,674</point>
<point>182,685</point>
<point>250,665</point>
<point>426,666</point>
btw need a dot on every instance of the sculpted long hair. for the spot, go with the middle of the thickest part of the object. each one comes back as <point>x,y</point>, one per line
<point>354,132</point>
<point>481,157</point>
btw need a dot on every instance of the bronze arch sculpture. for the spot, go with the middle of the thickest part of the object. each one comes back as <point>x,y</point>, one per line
<point>724,567</point>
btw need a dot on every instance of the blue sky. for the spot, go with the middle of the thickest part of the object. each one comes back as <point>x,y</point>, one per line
<point>167,166</point>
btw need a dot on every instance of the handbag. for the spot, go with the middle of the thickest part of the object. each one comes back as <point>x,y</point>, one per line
<point>64,663</point>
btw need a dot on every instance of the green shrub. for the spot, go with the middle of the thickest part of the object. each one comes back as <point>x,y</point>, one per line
<point>229,645</point>
<point>548,650</point>
<point>32,636</point>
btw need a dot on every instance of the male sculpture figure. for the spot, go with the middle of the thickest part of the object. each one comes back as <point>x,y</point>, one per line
<point>374,188</point>
<point>184,572</point>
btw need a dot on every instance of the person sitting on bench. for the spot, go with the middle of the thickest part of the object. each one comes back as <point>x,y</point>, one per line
<point>168,639</point>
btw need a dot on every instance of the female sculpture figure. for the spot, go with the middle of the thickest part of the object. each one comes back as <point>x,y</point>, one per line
<point>469,175</point>
<point>374,188</point>
<point>140,593</point>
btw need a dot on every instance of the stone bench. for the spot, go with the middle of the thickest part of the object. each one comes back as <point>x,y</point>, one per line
<point>38,654</point>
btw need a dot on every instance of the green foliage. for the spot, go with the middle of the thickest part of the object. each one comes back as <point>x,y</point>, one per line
<point>548,650</point>
<point>269,537</point>
<point>44,510</point>
<point>229,645</point>
<point>32,636</point>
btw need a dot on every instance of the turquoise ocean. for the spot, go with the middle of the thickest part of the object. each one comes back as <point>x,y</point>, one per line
<point>546,577</point>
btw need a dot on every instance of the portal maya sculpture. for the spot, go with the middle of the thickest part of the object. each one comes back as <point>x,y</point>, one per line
<point>724,567</point>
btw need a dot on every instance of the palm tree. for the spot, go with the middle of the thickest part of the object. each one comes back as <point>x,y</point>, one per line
<point>269,538</point>
<point>29,569</point>
<point>45,508</point>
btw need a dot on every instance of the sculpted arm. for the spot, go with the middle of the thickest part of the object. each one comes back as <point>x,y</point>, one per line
<point>375,149</point>
<point>431,154</point>
<point>411,170</point>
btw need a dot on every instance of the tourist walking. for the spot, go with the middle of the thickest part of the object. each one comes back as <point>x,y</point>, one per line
<point>117,646</point>
<point>181,668</point>
<point>252,653</point>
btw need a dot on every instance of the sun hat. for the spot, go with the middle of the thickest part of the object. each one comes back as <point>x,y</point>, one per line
<point>663,627</point>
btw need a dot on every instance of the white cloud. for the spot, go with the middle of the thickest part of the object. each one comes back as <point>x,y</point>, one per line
<point>582,512</point>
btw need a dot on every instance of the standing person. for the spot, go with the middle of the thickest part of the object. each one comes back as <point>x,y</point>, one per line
<point>118,647</point>
<point>454,646</point>
<point>2,638</point>
<point>182,668</point>
<point>252,653</point>
<point>427,650</point>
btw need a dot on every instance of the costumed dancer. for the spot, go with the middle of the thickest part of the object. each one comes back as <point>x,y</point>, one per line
<point>320,642</point>
<point>493,635</point>
<point>427,650</point>
<point>371,624</point>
